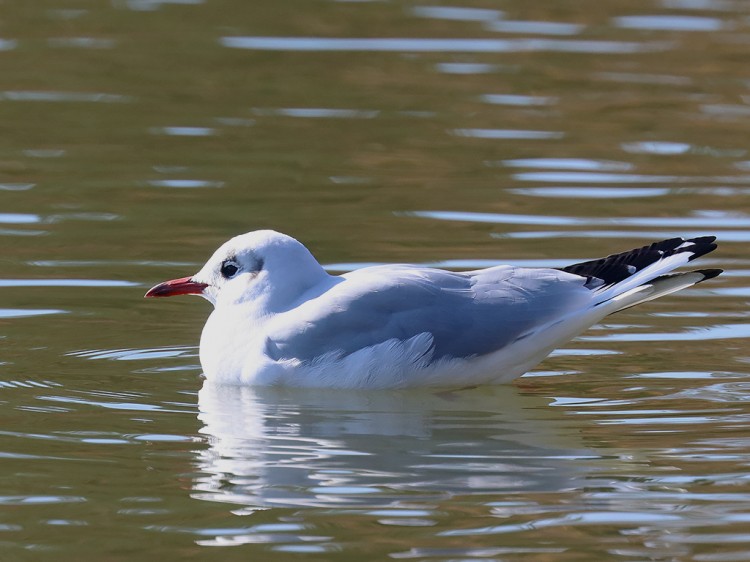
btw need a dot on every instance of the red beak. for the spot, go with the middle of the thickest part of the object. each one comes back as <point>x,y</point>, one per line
<point>182,286</point>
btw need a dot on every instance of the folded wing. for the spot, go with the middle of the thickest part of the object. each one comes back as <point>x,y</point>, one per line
<point>464,314</point>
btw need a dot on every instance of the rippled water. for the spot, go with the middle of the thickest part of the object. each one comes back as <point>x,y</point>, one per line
<point>139,134</point>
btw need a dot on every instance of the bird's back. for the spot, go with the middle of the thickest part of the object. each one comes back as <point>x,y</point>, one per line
<point>465,314</point>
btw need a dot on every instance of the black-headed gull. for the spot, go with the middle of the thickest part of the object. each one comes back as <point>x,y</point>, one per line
<point>281,319</point>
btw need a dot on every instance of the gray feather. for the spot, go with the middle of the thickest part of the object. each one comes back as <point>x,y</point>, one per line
<point>467,314</point>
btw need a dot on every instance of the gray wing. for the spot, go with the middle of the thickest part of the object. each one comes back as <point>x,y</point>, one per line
<point>467,314</point>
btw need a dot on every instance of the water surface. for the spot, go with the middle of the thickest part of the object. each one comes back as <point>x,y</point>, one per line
<point>140,134</point>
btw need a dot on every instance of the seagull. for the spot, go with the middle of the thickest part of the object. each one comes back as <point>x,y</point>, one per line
<point>280,319</point>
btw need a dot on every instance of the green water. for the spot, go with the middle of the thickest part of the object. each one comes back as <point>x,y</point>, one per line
<point>137,135</point>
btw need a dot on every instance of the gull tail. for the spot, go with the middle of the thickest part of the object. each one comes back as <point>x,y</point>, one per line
<point>640,275</point>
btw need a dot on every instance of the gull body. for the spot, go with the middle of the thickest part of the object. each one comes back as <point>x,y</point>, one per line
<point>280,319</point>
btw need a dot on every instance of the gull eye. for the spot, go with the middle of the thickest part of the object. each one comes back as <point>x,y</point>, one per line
<point>229,269</point>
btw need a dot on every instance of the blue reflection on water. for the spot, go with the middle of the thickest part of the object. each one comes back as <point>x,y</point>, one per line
<point>400,45</point>
<point>28,312</point>
<point>507,134</point>
<point>456,13</point>
<point>713,220</point>
<point>669,23</point>
<point>536,27</point>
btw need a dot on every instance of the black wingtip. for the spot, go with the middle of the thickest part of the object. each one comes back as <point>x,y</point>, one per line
<point>702,248</point>
<point>617,267</point>
<point>709,273</point>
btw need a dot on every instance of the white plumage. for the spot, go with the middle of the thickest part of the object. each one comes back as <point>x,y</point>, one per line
<point>281,319</point>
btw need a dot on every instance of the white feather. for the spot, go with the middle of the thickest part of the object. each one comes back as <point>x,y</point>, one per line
<point>280,319</point>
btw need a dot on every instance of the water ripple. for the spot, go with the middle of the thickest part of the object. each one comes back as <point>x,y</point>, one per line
<point>16,186</point>
<point>151,5</point>
<point>698,333</point>
<point>51,219</point>
<point>572,519</point>
<point>82,42</point>
<point>185,183</point>
<point>643,78</point>
<point>596,177</point>
<point>28,383</point>
<point>726,110</point>
<point>44,152</point>
<point>518,100</point>
<point>708,5</point>
<point>456,13</point>
<point>669,23</point>
<point>184,131</point>
<point>19,218</point>
<point>726,392</point>
<point>583,164</point>
<point>137,354</point>
<point>235,121</point>
<point>110,405</point>
<point>657,147</point>
<point>319,112</point>
<point>725,235</point>
<point>66,283</point>
<point>535,27</point>
<point>467,67</point>
<point>28,312</point>
<point>456,264</point>
<point>475,553</point>
<point>35,500</point>
<point>99,263</point>
<point>53,96</point>
<point>414,45</point>
<point>66,14</point>
<point>14,232</point>
<point>507,134</point>
<point>710,220</point>
<point>593,192</point>
<point>683,375</point>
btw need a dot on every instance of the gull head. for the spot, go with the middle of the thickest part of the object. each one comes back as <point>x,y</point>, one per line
<point>264,267</point>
